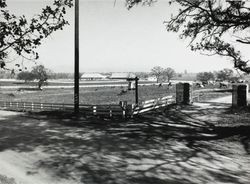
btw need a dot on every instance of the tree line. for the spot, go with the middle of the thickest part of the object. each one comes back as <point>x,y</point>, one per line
<point>221,75</point>
<point>161,75</point>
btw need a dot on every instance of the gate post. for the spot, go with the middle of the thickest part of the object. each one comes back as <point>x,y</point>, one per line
<point>240,94</point>
<point>183,93</point>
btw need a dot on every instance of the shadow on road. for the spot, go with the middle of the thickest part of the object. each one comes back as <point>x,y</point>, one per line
<point>192,144</point>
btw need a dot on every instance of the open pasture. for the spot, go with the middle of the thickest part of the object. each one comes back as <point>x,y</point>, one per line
<point>21,83</point>
<point>90,95</point>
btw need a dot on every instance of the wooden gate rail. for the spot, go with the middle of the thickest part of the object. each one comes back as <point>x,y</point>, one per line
<point>102,110</point>
<point>153,104</point>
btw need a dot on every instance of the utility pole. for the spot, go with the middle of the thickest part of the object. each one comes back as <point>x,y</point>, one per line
<point>136,90</point>
<point>76,83</point>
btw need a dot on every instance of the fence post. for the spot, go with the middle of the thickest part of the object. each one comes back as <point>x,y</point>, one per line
<point>123,105</point>
<point>239,95</point>
<point>132,110</point>
<point>32,106</point>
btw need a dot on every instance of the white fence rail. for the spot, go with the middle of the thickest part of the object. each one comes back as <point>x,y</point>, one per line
<point>96,110</point>
<point>104,110</point>
<point>153,104</point>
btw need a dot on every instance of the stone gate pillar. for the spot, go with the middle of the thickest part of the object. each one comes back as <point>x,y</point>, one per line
<point>183,93</point>
<point>239,95</point>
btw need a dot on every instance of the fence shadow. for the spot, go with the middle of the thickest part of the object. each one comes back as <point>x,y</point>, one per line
<point>171,145</point>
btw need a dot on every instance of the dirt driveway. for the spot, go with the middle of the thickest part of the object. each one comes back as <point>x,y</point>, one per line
<point>180,145</point>
<point>226,99</point>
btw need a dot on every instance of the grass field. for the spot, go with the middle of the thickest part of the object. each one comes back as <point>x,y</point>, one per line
<point>98,95</point>
<point>68,83</point>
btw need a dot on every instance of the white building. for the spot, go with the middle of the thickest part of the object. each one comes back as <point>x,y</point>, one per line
<point>93,76</point>
<point>122,75</point>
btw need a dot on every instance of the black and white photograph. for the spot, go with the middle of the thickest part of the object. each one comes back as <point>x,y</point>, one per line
<point>124,92</point>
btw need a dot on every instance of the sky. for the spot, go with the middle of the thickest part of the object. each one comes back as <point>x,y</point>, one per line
<point>115,39</point>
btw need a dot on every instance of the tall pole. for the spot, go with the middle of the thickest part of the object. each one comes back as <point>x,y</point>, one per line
<point>136,90</point>
<point>76,85</point>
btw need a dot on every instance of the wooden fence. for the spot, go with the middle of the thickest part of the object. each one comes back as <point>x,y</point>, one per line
<point>122,110</point>
<point>153,104</point>
<point>98,110</point>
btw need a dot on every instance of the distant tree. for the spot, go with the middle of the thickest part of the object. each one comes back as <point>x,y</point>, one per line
<point>205,76</point>
<point>41,74</point>
<point>21,36</point>
<point>26,76</point>
<point>6,74</point>
<point>168,74</point>
<point>61,75</point>
<point>157,72</point>
<point>142,75</point>
<point>225,74</point>
<point>212,26</point>
<point>179,75</point>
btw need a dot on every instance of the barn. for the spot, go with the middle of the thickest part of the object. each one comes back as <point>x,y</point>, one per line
<point>93,76</point>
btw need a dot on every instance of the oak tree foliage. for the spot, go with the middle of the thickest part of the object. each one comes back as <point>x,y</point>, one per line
<point>21,36</point>
<point>225,74</point>
<point>26,76</point>
<point>213,26</point>
<point>41,74</point>
<point>205,76</point>
<point>38,73</point>
<point>168,74</point>
<point>162,74</point>
<point>157,72</point>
